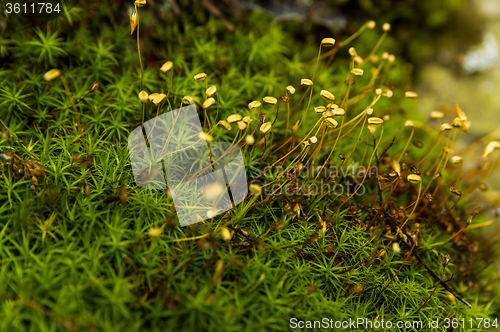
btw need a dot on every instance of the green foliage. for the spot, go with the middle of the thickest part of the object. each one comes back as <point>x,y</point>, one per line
<point>77,254</point>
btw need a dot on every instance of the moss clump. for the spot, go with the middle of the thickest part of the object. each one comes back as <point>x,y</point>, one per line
<point>83,248</point>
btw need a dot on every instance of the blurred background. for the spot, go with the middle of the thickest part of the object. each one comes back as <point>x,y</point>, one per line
<point>450,47</point>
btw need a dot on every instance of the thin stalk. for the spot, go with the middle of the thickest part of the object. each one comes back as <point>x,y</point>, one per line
<point>414,205</point>
<point>434,290</point>
<point>406,146</point>
<point>139,49</point>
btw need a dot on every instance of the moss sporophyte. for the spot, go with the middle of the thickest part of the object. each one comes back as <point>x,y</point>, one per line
<point>338,206</point>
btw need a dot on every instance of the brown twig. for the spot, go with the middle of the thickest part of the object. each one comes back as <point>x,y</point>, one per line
<point>410,243</point>
<point>423,304</point>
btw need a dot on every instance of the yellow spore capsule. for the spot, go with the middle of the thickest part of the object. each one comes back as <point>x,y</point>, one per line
<point>166,66</point>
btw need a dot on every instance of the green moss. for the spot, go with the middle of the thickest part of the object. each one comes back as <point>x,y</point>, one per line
<point>97,267</point>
